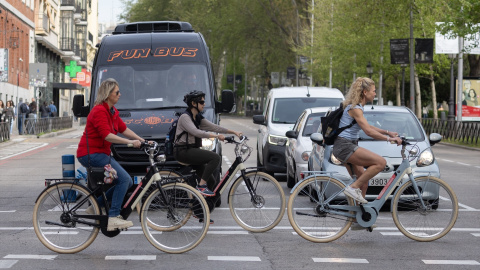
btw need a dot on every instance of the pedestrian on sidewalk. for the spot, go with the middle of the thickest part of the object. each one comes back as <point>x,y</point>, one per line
<point>2,111</point>
<point>53,109</point>
<point>10,115</point>
<point>22,114</point>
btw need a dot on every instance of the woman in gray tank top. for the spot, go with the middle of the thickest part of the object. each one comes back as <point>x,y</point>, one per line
<point>346,146</point>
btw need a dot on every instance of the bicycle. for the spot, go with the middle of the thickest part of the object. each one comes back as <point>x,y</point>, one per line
<point>423,208</point>
<point>256,199</point>
<point>166,213</point>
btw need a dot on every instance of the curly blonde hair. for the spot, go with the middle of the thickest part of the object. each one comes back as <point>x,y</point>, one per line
<point>355,94</point>
<point>106,87</point>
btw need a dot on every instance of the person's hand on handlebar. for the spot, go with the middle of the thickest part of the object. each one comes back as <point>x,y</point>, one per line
<point>396,140</point>
<point>221,137</point>
<point>238,134</point>
<point>136,143</point>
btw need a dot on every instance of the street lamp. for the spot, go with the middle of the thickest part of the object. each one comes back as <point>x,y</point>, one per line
<point>402,98</point>
<point>369,69</point>
<point>451,105</point>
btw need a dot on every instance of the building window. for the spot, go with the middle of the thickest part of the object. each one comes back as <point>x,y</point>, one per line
<point>67,39</point>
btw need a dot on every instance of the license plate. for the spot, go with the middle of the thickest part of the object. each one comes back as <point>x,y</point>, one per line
<point>137,179</point>
<point>377,182</point>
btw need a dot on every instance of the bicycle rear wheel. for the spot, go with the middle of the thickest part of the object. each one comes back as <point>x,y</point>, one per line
<point>170,227</point>
<point>429,223</point>
<point>263,212</point>
<point>310,209</point>
<point>54,218</point>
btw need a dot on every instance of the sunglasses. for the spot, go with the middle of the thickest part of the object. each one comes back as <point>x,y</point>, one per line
<point>201,102</point>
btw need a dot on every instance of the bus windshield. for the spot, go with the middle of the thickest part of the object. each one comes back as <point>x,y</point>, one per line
<point>156,86</point>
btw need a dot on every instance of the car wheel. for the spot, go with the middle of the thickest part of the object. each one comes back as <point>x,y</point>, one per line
<point>290,179</point>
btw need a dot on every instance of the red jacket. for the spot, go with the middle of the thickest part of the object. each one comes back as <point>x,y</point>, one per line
<point>99,125</point>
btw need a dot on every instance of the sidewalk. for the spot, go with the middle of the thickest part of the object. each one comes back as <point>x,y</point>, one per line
<point>16,138</point>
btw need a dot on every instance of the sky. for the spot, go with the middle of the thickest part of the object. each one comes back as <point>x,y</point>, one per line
<point>108,10</point>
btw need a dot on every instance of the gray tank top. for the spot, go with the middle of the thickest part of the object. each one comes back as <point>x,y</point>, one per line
<point>351,133</point>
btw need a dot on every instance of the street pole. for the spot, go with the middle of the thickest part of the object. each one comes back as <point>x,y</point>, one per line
<point>402,98</point>
<point>245,103</point>
<point>311,46</point>
<point>460,79</point>
<point>451,100</point>
<point>412,67</point>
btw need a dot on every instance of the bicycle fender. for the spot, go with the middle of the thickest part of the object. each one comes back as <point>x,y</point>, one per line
<point>299,182</point>
<point>55,184</point>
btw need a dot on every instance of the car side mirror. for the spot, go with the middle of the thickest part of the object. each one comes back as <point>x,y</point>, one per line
<point>434,138</point>
<point>292,134</point>
<point>317,138</point>
<point>79,110</point>
<point>259,119</point>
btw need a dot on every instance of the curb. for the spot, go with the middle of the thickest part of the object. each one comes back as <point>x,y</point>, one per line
<point>460,146</point>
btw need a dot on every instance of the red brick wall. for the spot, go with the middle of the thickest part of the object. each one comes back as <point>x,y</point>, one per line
<point>12,28</point>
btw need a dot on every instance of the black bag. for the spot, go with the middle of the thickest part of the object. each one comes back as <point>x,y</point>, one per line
<point>330,123</point>
<point>95,176</point>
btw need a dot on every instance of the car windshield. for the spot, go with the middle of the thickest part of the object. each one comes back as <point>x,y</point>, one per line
<point>156,86</point>
<point>312,123</point>
<point>402,122</point>
<point>287,110</point>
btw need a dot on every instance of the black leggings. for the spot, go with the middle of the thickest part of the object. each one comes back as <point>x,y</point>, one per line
<point>203,161</point>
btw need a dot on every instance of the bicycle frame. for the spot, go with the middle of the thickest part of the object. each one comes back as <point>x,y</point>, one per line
<point>373,207</point>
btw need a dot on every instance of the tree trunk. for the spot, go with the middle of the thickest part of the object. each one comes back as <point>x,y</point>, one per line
<point>434,92</point>
<point>398,91</point>
<point>418,97</point>
<point>474,62</point>
<point>219,75</point>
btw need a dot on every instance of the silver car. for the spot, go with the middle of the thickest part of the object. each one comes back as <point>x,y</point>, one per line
<point>392,118</point>
<point>299,144</point>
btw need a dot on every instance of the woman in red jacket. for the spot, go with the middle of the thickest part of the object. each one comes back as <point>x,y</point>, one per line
<point>103,124</point>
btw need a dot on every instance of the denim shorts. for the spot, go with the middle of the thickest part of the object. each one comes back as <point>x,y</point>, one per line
<point>344,148</point>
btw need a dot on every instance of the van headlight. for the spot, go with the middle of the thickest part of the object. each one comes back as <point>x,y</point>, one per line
<point>335,160</point>
<point>277,140</point>
<point>425,158</point>
<point>208,144</point>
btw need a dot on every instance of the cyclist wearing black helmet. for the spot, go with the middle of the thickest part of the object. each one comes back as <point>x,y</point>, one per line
<point>191,128</point>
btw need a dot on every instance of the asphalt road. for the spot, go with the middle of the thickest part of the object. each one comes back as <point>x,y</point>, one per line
<point>26,163</point>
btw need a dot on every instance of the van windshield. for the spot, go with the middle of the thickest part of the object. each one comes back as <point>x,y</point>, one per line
<point>287,110</point>
<point>156,86</point>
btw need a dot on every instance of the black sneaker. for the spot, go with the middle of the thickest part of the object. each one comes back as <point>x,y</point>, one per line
<point>201,219</point>
<point>203,189</point>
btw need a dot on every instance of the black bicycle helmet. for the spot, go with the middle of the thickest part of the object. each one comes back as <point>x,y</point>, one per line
<point>194,95</point>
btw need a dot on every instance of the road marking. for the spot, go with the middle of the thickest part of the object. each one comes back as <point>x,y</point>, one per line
<point>340,260</point>
<point>23,152</point>
<point>139,232</point>
<point>234,258</point>
<point>463,164</point>
<point>477,167</point>
<point>27,256</point>
<point>8,211</point>
<point>476,234</point>
<point>455,262</point>
<point>227,232</point>
<point>131,258</point>
<point>446,160</point>
<point>391,233</point>
<point>4,264</point>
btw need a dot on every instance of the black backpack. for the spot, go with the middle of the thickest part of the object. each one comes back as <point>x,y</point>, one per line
<point>172,137</point>
<point>331,123</point>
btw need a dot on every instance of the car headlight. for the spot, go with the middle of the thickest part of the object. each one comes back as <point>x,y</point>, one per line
<point>277,140</point>
<point>305,155</point>
<point>208,144</point>
<point>425,158</point>
<point>334,160</point>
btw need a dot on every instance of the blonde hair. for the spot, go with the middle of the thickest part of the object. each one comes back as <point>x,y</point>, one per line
<point>355,94</point>
<point>106,87</point>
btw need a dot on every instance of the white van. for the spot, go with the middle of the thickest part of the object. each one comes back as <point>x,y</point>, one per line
<point>283,106</point>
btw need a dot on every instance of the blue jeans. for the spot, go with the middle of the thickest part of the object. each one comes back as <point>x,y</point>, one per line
<point>116,194</point>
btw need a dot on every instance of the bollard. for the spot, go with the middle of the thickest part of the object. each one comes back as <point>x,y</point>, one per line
<point>68,171</point>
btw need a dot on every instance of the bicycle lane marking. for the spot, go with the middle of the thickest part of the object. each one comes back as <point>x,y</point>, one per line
<point>25,151</point>
<point>28,152</point>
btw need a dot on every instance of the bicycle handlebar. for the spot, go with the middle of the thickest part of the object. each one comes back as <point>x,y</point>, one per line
<point>231,139</point>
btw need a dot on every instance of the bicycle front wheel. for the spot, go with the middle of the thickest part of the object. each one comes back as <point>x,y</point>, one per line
<point>174,227</point>
<point>312,213</point>
<point>431,221</point>
<point>261,212</point>
<point>54,220</point>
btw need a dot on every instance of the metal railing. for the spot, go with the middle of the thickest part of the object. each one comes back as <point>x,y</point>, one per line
<point>4,131</point>
<point>45,125</point>
<point>466,132</point>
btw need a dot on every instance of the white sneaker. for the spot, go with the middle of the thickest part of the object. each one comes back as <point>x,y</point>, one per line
<point>118,222</point>
<point>91,211</point>
<point>357,227</point>
<point>355,193</point>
